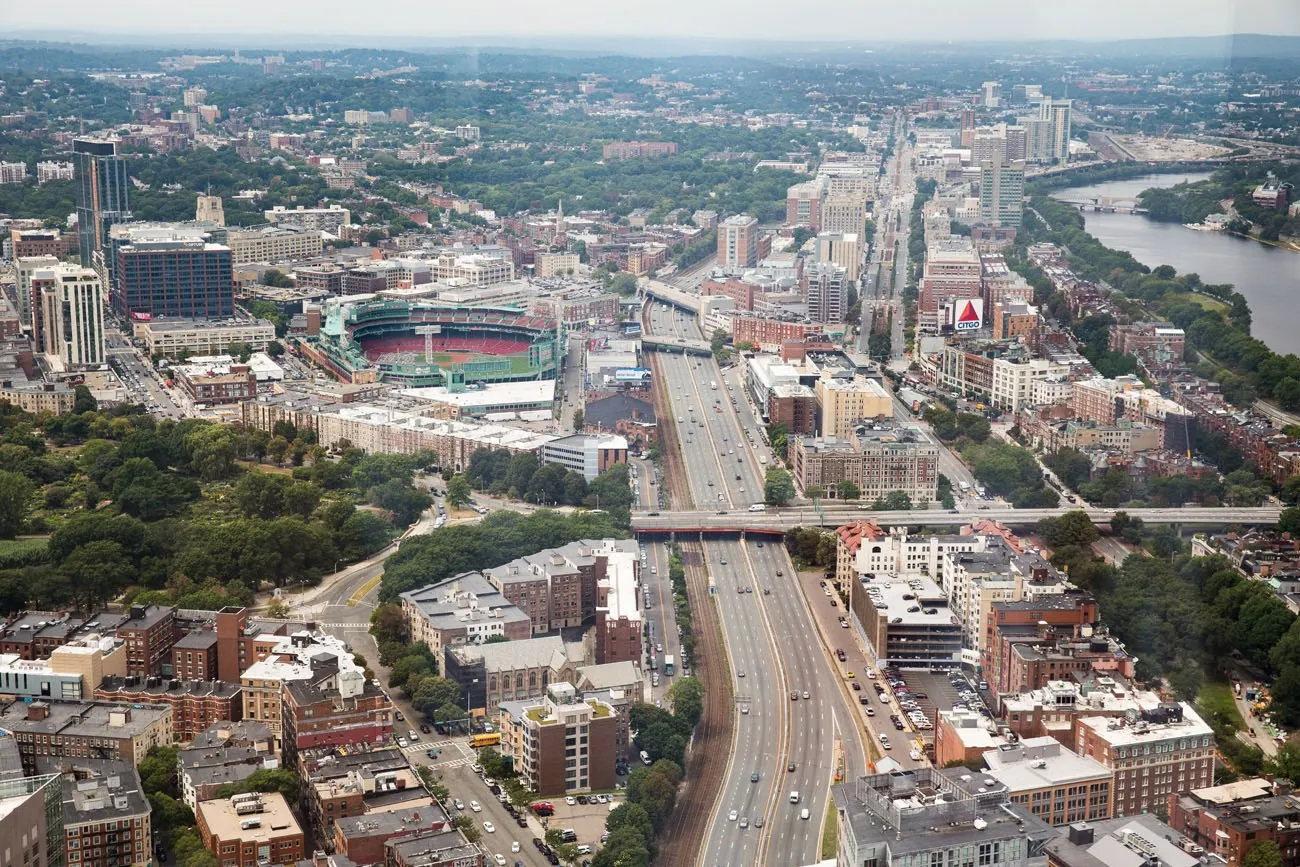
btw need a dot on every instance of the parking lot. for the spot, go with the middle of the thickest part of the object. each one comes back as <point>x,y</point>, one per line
<point>586,820</point>
<point>940,694</point>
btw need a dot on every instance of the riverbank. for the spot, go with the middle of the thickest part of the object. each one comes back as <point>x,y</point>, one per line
<point>1263,273</point>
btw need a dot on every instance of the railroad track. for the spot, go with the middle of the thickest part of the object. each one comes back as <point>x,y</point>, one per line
<point>682,838</point>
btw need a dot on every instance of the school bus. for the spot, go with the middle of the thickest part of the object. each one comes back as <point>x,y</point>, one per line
<point>485,740</point>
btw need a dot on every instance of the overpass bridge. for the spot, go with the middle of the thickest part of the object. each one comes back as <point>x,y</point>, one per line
<point>672,295</point>
<point>777,521</point>
<point>1107,204</point>
<point>675,344</point>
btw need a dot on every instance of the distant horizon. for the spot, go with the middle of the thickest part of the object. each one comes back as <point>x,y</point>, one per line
<point>749,21</point>
<point>191,40</point>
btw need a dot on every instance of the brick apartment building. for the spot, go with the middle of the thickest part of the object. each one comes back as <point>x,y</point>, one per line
<point>195,704</point>
<point>362,838</point>
<point>251,830</point>
<point>334,708</point>
<point>194,656</point>
<point>1232,819</point>
<point>149,633</point>
<point>766,333</point>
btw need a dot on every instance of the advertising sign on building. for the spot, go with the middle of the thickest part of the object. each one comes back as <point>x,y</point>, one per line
<point>631,374</point>
<point>968,315</point>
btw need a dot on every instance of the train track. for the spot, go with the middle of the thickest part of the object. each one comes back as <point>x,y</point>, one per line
<point>682,838</point>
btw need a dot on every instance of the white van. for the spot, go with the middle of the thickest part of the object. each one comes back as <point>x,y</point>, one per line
<point>794,797</point>
<point>803,814</point>
<point>758,507</point>
<point>645,757</point>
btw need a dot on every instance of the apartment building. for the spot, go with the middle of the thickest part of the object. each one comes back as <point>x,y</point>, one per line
<point>1167,749</point>
<point>1056,785</point>
<point>331,219</point>
<point>195,704</point>
<point>738,242</point>
<point>843,249</point>
<point>803,205</point>
<point>106,816</point>
<point>273,244</point>
<point>846,403</point>
<point>78,730</point>
<point>556,588</point>
<point>149,633</point>
<point>844,213</point>
<point>1231,819</point>
<point>252,830</point>
<point>563,744</point>
<point>463,609</point>
<point>631,150</point>
<point>334,708</point>
<point>433,849</point>
<point>875,462</point>
<point>68,316</point>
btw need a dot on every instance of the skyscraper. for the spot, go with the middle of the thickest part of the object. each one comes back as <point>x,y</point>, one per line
<point>102,194</point>
<point>992,94</point>
<point>826,288</point>
<point>1002,192</point>
<point>1057,113</point>
<point>69,314</point>
<point>738,242</point>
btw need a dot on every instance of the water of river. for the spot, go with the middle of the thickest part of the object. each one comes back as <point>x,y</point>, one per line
<point>1269,277</point>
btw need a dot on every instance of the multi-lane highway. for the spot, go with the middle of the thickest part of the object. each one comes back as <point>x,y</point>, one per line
<point>768,629</point>
<point>780,520</point>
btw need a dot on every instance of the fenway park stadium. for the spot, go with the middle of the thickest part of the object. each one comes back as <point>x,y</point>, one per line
<point>423,344</point>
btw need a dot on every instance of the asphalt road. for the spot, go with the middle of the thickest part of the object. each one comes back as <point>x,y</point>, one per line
<point>770,637</point>
<point>661,616</point>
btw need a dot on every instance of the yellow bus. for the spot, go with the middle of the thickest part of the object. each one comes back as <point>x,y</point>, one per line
<point>485,740</point>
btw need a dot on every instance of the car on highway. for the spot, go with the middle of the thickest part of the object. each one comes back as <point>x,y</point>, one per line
<point>794,695</point>
<point>489,827</point>
<point>458,804</point>
<point>733,816</point>
<point>805,694</point>
<point>475,807</point>
<point>790,768</point>
<point>741,673</point>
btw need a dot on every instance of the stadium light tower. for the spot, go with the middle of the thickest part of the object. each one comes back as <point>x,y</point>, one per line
<point>428,331</point>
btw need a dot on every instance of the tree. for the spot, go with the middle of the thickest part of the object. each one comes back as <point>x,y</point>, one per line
<point>578,418</point>
<point>84,401</point>
<point>15,495</point>
<point>1072,528</point>
<point>778,487</point>
<point>458,491</point>
<point>276,278</point>
<point>274,348</point>
<point>277,609</point>
<point>847,490</point>
<point>1265,853</point>
<point>894,501</point>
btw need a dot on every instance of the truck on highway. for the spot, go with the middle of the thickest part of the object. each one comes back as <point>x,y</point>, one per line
<point>965,487</point>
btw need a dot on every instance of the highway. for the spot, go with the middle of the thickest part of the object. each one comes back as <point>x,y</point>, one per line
<point>770,637</point>
<point>661,615</point>
<point>777,521</point>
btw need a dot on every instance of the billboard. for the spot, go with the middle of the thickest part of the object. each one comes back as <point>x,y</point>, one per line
<point>631,374</point>
<point>968,314</point>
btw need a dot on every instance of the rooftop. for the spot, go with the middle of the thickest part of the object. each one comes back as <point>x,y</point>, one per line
<point>252,819</point>
<point>540,391</point>
<point>96,789</point>
<point>103,719</point>
<point>432,848</point>
<point>1123,733</point>
<point>1041,763</point>
<point>1123,842</point>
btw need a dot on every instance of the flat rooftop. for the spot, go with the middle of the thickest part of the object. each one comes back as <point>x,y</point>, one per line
<point>275,819</point>
<point>491,395</point>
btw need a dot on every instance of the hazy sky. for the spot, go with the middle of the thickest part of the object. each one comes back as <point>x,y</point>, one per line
<point>748,19</point>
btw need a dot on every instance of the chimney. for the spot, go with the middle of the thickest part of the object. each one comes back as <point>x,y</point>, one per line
<point>37,711</point>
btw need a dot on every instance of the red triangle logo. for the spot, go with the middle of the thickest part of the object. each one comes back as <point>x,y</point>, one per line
<point>969,314</point>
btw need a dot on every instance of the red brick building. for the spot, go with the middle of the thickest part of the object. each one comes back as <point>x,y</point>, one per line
<point>1232,819</point>
<point>194,656</point>
<point>772,332</point>
<point>196,704</point>
<point>251,831</point>
<point>362,838</point>
<point>149,633</point>
<point>734,288</point>
<point>334,708</point>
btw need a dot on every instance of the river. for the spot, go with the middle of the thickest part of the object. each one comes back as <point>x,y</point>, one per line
<point>1267,276</point>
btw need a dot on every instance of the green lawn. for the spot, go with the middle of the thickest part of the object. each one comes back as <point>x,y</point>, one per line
<point>22,552</point>
<point>830,831</point>
<point>1206,301</point>
<point>1215,699</point>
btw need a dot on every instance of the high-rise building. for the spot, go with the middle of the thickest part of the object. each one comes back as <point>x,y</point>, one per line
<point>844,249</point>
<point>738,242</point>
<point>825,285</point>
<point>69,316</point>
<point>174,277</point>
<point>12,173</point>
<point>803,204</point>
<point>844,213</point>
<point>992,94</point>
<point>1002,192</point>
<point>1038,138</point>
<point>1057,113</point>
<point>103,196</point>
<point>27,266</point>
<point>967,126</point>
